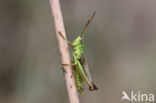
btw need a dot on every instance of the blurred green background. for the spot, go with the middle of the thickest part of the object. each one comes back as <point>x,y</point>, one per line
<point>120,49</point>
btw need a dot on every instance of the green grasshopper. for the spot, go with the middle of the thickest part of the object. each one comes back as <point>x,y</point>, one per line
<point>79,63</point>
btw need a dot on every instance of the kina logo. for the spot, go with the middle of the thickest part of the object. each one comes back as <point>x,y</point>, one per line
<point>137,97</point>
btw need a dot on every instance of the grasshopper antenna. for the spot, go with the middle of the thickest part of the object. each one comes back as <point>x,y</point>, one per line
<point>89,21</point>
<point>69,43</point>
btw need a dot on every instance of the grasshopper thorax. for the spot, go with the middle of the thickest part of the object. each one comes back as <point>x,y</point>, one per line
<point>78,47</point>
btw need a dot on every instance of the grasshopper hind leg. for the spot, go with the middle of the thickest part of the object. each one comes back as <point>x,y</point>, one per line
<point>94,87</point>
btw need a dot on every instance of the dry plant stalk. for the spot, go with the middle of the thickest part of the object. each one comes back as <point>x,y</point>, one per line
<point>64,51</point>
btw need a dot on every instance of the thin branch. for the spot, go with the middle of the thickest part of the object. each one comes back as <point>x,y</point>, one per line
<point>64,51</point>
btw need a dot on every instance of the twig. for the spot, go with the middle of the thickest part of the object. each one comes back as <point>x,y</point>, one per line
<point>64,51</point>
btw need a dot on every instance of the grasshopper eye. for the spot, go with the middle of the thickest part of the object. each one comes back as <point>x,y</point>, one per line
<point>80,39</point>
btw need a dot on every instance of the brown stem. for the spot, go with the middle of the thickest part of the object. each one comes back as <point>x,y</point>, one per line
<point>64,51</point>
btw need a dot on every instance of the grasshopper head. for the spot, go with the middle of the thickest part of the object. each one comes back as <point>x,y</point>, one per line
<point>78,41</point>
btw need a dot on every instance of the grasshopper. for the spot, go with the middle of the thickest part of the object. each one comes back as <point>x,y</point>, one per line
<point>79,63</point>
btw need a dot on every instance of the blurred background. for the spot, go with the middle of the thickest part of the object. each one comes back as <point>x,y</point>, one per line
<point>120,49</point>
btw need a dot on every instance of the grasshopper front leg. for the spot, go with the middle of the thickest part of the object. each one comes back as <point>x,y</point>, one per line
<point>68,64</point>
<point>73,67</point>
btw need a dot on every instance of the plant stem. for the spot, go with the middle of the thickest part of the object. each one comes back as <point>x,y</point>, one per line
<point>64,51</point>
